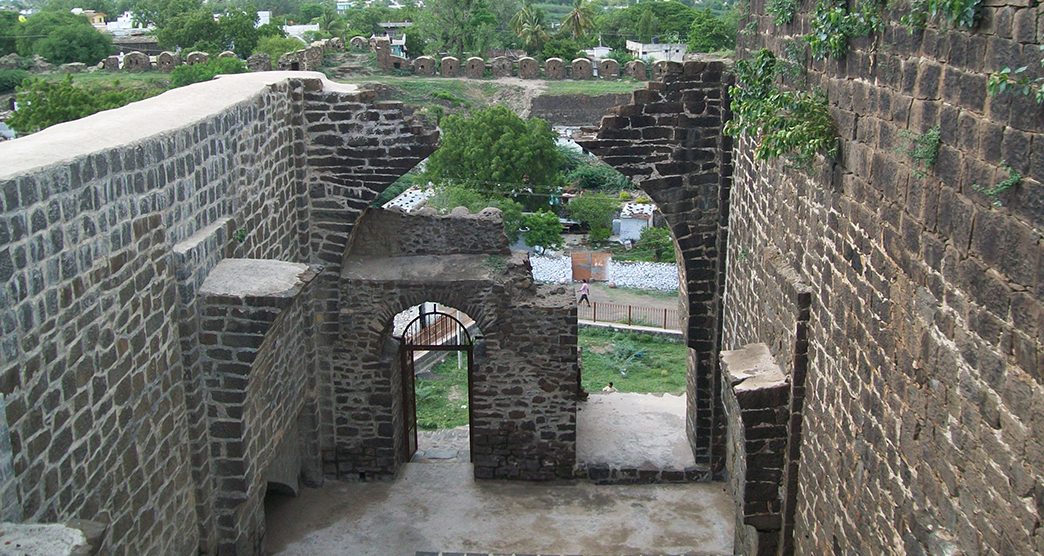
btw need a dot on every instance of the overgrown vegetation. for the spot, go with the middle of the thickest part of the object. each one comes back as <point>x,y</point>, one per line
<point>922,149</point>
<point>994,193</point>
<point>542,229</point>
<point>958,13</point>
<point>43,103</point>
<point>595,210</point>
<point>833,25</point>
<point>1016,81</point>
<point>189,74</point>
<point>632,362</point>
<point>792,124</point>
<point>782,11</point>
<point>11,79</point>
<point>442,397</point>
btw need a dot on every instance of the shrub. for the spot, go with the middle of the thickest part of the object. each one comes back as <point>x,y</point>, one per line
<point>276,46</point>
<point>658,242</point>
<point>43,103</point>
<point>187,75</point>
<point>598,176</point>
<point>11,78</point>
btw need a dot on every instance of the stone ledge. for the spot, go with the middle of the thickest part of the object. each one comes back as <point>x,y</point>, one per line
<point>78,537</point>
<point>605,474</point>
<point>754,377</point>
<point>257,280</point>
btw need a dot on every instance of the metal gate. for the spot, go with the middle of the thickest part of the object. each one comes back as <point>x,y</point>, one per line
<point>591,265</point>
<point>431,331</point>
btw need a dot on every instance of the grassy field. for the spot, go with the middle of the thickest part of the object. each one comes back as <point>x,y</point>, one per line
<point>633,362</point>
<point>593,87</point>
<point>442,401</point>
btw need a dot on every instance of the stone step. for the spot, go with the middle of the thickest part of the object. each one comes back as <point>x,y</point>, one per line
<point>610,474</point>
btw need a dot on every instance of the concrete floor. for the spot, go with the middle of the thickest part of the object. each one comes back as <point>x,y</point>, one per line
<point>439,507</point>
<point>633,430</point>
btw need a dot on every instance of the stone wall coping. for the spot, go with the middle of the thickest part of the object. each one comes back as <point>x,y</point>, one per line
<point>419,268</point>
<point>143,120</point>
<point>193,241</point>
<point>752,368</point>
<point>256,278</point>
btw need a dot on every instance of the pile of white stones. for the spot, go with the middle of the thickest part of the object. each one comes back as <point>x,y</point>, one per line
<point>646,276</point>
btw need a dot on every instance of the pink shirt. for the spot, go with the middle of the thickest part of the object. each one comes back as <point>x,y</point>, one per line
<point>585,289</point>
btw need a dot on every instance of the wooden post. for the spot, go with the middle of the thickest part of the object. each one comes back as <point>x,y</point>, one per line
<point>665,318</point>
<point>595,317</point>
<point>628,314</point>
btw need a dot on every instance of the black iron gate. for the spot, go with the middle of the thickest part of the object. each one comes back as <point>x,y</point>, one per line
<point>430,331</point>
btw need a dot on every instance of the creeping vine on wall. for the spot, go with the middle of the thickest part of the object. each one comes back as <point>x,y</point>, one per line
<point>958,13</point>
<point>1016,81</point>
<point>783,11</point>
<point>833,25</point>
<point>796,125</point>
<point>922,149</point>
<point>1013,179</point>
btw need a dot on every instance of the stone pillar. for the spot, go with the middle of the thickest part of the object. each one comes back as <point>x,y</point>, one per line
<point>663,68</point>
<point>528,68</point>
<point>636,69</point>
<point>259,62</point>
<point>581,68</point>
<point>137,61</point>
<point>424,65</point>
<point>111,63</point>
<point>167,61</point>
<point>382,47</point>
<point>474,68</point>
<point>450,67</point>
<point>197,57</point>
<point>554,68</point>
<point>609,69</point>
<point>358,42</point>
<point>502,66</point>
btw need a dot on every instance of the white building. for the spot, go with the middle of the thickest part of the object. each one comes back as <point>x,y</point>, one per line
<point>598,53</point>
<point>670,51</point>
<point>124,25</point>
<point>263,18</point>
<point>298,31</point>
<point>411,199</point>
<point>634,217</point>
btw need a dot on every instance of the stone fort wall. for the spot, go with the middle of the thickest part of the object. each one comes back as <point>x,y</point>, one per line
<point>105,245</point>
<point>921,429</point>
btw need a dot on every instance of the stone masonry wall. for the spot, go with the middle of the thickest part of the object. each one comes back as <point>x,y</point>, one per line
<point>104,244</point>
<point>922,430</point>
<point>392,233</point>
<point>669,141</point>
<point>523,384</point>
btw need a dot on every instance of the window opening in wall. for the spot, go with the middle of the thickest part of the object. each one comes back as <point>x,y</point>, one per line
<point>437,356</point>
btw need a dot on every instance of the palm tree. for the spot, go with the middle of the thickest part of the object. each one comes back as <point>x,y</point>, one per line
<point>579,20</point>
<point>533,36</point>
<point>527,14</point>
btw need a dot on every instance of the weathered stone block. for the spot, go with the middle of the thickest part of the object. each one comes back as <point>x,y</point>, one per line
<point>259,62</point>
<point>528,68</point>
<point>74,67</point>
<point>609,69</point>
<point>450,67</point>
<point>475,68</point>
<point>197,57</point>
<point>554,68</point>
<point>581,69</point>
<point>501,66</point>
<point>111,63</point>
<point>167,61</point>
<point>635,69</point>
<point>359,42</point>
<point>137,61</point>
<point>424,65</point>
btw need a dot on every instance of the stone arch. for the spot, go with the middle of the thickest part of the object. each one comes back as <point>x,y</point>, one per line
<point>554,68</point>
<point>669,141</point>
<point>359,42</point>
<point>528,68</point>
<point>167,61</point>
<point>581,68</point>
<point>424,65</point>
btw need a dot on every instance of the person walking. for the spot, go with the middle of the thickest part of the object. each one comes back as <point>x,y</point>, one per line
<point>585,289</point>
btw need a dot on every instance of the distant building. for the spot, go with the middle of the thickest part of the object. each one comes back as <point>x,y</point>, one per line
<point>598,53</point>
<point>634,217</point>
<point>343,7</point>
<point>411,199</point>
<point>396,33</point>
<point>125,25</point>
<point>298,31</point>
<point>670,51</point>
<point>97,19</point>
<point>263,18</point>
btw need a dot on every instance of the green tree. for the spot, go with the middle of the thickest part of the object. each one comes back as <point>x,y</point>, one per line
<point>450,197</point>
<point>9,31</point>
<point>494,151</point>
<point>566,49</point>
<point>543,229</point>
<point>186,74</point>
<point>161,12</point>
<point>579,21</point>
<point>238,31</point>
<point>62,37</point>
<point>658,242</point>
<point>459,27</point>
<point>10,79</point>
<point>594,175</point>
<point>647,26</point>
<point>710,33</point>
<point>194,30</point>
<point>43,103</point>
<point>664,18</point>
<point>277,46</point>
<point>596,210</point>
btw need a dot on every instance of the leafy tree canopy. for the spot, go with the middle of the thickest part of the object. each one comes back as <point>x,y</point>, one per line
<point>643,21</point>
<point>495,151</point>
<point>43,103</point>
<point>277,46</point>
<point>596,210</point>
<point>658,242</point>
<point>710,32</point>
<point>594,175</point>
<point>9,30</point>
<point>62,37</point>
<point>542,230</point>
<point>452,196</point>
<point>566,49</point>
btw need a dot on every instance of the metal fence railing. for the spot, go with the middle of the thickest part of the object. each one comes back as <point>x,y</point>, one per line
<point>654,317</point>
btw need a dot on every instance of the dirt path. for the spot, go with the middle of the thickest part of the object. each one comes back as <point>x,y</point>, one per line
<point>519,93</point>
<point>604,294</point>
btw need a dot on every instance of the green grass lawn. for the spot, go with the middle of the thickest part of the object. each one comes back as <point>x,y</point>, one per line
<point>442,402</point>
<point>593,87</point>
<point>633,362</point>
